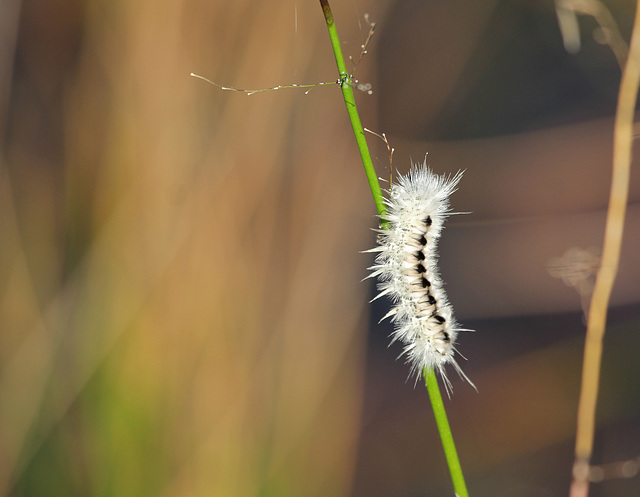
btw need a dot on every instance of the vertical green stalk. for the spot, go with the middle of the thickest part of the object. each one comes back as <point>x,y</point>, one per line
<point>450,452</point>
<point>352,110</point>
<point>430,378</point>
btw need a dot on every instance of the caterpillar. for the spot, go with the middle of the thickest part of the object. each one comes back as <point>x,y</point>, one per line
<point>406,267</point>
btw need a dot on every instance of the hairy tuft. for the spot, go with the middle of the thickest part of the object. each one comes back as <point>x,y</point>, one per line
<point>406,267</point>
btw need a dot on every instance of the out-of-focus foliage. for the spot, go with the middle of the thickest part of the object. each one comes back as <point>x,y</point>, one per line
<point>179,311</point>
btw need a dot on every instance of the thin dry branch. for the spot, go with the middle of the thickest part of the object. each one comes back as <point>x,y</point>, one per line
<point>622,146</point>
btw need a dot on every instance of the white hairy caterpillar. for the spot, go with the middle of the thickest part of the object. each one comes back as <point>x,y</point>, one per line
<point>417,206</point>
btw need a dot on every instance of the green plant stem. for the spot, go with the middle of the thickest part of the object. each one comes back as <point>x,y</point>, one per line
<point>352,110</point>
<point>430,378</point>
<point>446,436</point>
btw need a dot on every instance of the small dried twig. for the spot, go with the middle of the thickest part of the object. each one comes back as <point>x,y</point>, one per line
<point>365,45</point>
<point>363,87</point>
<point>279,87</point>
<point>390,149</point>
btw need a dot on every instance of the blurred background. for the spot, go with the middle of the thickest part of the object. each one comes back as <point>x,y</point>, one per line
<point>181,305</point>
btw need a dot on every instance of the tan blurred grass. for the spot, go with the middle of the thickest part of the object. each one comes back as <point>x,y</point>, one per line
<point>193,324</point>
<point>180,306</point>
